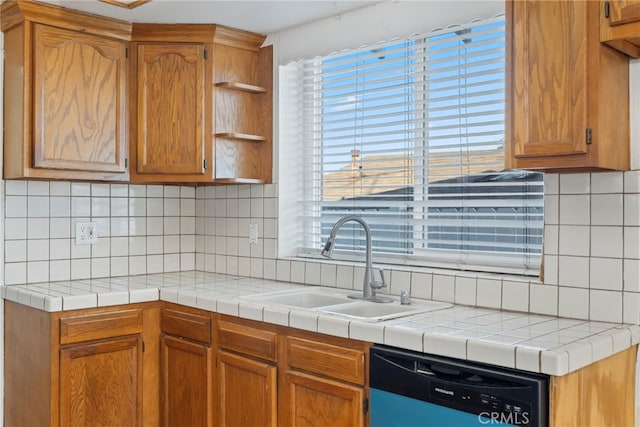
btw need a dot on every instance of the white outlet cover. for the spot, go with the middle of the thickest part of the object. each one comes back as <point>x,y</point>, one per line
<point>86,233</point>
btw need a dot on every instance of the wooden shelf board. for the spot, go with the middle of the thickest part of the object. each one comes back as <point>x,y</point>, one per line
<point>239,181</point>
<point>241,136</point>
<point>241,87</point>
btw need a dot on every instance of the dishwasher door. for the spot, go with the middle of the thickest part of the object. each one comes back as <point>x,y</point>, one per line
<point>416,389</point>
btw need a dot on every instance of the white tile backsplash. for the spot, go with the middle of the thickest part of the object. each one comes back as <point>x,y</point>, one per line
<point>40,222</point>
<point>592,242</point>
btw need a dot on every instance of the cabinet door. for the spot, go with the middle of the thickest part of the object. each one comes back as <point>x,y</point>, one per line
<point>247,391</point>
<point>79,101</point>
<point>171,108</point>
<point>314,401</point>
<point>623,11</point>
<point>100,383</point>
<point>549,78</point>
<point>186,383</point>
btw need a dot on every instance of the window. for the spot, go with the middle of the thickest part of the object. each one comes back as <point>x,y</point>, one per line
<point>409,135</point>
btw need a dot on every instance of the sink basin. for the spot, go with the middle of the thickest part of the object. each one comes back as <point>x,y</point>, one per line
<point>375,312</point>
<point>337,302</point>
<point>305,298</point>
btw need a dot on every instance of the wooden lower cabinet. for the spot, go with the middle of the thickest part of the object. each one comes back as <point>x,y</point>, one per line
<point>269,375</point>
<point>95,366</point>
<point>186,367</point>
<point>186,382</point>
<point>247,391</point>
<point>159,363</point>
<point>102,381</point>
<point>317,401</point>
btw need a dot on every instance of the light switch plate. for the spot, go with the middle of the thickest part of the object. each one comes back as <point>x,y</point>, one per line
<point>253,234</point>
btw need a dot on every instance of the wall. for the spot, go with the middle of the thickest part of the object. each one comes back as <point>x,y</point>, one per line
<point>141,229</point>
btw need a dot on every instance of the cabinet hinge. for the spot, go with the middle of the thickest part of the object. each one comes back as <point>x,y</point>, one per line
<point>365,405</point>
<point>126,52</point>
<point>606,9</point>
<point>205,163</point>
<point>143,347</point>
<point>126,163</point>
<point>206,54</point>
<point>588,136</point>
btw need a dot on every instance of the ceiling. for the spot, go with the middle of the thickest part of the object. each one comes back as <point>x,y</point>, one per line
<point>260,16</point>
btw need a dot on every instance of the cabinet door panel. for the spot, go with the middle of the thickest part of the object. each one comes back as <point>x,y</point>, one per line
<point>550,82</point>
<point>171,134</point>
<point>318,402</point>
<point>186,383</point>
<point>100,383</point>
<point>623,11</point>
<point>80,101</point>
<point>247,393</point>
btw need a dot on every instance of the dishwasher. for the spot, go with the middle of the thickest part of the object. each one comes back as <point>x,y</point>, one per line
<point>411,389</point>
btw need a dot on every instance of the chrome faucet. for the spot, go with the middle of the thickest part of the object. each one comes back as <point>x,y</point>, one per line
<point>369,286</point>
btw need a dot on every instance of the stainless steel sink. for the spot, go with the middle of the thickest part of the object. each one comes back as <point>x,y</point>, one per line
<point>337,302</point>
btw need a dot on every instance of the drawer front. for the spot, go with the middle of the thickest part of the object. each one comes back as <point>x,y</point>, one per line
<point>89,327</point>
<point>192,326</point>
<point>247,340</point>
<point>325,359</point>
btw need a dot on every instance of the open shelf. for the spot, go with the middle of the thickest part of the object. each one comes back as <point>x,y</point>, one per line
<point>243,87</point>
<point>241,136</point>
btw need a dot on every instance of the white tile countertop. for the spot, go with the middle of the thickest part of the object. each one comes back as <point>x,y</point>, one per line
<point>529,342</point>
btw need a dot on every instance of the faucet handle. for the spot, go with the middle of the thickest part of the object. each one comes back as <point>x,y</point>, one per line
<point>379,284</point>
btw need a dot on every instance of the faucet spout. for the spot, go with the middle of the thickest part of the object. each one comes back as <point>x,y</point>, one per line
<point>369,286</point>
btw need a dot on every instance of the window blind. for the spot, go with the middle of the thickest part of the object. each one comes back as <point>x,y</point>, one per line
<point>409,135</point>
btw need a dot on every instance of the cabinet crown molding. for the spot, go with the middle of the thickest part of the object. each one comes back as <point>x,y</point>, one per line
<point>17,11</point>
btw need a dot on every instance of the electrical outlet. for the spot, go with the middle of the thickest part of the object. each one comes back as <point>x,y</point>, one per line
<point>253,234</point>
<point>86,233</point>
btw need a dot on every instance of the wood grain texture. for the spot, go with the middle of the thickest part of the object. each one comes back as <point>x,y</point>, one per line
<point>102,381</point>
<point>187,382</point>
<point>16,109</point>
<point>180,322</point>
<point>622,29</point>
<point>241,112</point>
<point>173,33</point>
<point>29,367</point>
<point>235,65</point>
<point>556,90</point>
<point>251,340</point>
<point>16,11</point>
<point>601,394</point>
<point>247,391</point>
<point>87,327</point>
<point>326,360</point>
<point>151,363</point>
<point>171,107</point>
<point>317,402</point>
<point>234,37</point>
<point>623,11</point>
<point>80,101</point>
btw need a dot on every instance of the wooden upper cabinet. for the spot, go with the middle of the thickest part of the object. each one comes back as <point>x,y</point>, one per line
<point>620,25</point>
<point>567,94</point>
<point>171,137</point>
<point>622,11</point>
<point>65,95</point>
<point>243,107</point>
<point>79,101</point>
